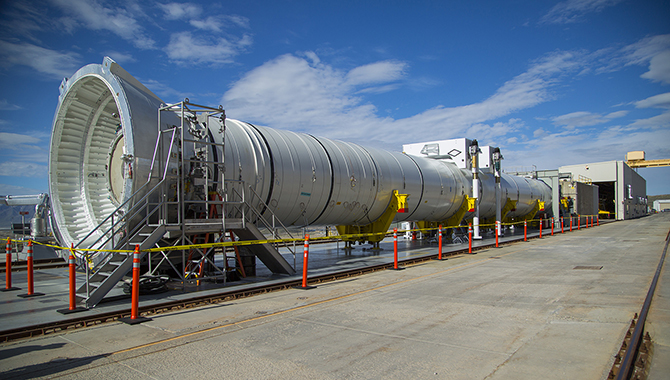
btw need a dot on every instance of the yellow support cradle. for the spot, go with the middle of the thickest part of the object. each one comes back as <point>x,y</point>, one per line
<point>376,231</point>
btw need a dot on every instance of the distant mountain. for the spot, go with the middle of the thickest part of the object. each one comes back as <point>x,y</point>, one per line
<point>10,214</point>
<point>652,198</point>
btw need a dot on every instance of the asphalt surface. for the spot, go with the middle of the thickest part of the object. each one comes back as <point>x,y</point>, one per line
<point>551,308</point>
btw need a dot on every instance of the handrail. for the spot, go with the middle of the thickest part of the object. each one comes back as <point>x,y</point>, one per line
<point>139,202</point>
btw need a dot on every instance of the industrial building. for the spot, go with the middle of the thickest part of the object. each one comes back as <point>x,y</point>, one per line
<point>662,205</point>
<point>622,191</point>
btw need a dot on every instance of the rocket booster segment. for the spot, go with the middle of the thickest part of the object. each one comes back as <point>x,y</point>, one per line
<point>106,127</point>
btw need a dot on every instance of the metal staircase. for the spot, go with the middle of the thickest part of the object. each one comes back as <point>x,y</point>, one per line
<point>177,206</point>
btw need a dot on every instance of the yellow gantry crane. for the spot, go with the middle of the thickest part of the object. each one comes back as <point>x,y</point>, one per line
<point>636,159</point>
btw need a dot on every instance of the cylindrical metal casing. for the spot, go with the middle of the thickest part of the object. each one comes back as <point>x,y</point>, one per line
<point>105,131</point>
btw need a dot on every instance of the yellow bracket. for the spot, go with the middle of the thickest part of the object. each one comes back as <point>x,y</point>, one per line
<point>378,228</point>
<point>534,211</point>
<point>472,202</point>
<point>456,219</point>
<point>509,206</point>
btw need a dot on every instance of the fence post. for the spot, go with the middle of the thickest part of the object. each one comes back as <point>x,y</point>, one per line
<point>73,285</point>
<point>31,279</point>
<point>135,317</point>
<point>8,268</point>
<point>525,230</point>
<point>305,261</point>
<point>395,250</point>
<point>439,244</point>
<point>469,237</point>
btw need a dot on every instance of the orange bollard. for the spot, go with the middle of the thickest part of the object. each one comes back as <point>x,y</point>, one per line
<point>135,317</point>
<point>8,268</point>
<point>31,281</point>
<point>579,222</point>
<point>540,228</point>
<point>597,220</point>
<point>439,244</point>
<point>525,230</point>
<point>73,278</point>
<point>552,226</point>
<point>395,250</point>
<point>469,238</point>
<point>135,298</point>
<point>497,246</point>
<point>73,285</point>
<point>562,230</point>
<point>305,261</point>
<point>571,224</point>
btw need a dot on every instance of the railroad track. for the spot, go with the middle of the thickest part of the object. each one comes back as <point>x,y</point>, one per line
<point>225,295</point>
<point>633,359</point>
<point>20,266</point>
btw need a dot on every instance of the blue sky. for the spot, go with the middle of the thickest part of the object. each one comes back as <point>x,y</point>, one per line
<point>551,82</point>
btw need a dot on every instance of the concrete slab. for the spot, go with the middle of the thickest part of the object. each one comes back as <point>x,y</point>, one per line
<point>522,311</point>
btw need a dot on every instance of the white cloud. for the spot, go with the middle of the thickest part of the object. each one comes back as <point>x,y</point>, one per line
<point>659,68</point>
<point>164,91</point>
<point>184,48</point>
<point>213,24</point>
<point>24,147</point>
<point>217,23</point>
<point>300,94</point>
<point>118,20</point>
<point>374,73</point>
<point>52,63</point>
<point>654,51</point>
<point>6,106</point>
<point>22,169</point>
<point>571,11</point>
<point>585,119</point>
<point>177,11</point>
<point>18,190</point>
<point>656,101</point>
<point>661,121</point>
<point>120,57</point>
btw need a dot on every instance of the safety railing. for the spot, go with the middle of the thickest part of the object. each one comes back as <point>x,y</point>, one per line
<point>137,207</point>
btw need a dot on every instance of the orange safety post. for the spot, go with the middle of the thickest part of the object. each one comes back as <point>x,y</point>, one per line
<point>597,220</point>
<point>540,228</point>
<point>439,244</point>
<point>552,226</point>
<point>8,268</point>
<point>469,237</point>
<point>305,261</point>
<point>395,250</point>
<point>571,217</point>
<point>31,281</point>
<point>497,234</point>
<point>135,298</point>
<point>135,317</point>
<point>525,230</point>
<point>73,278</point>
<point>579,222</point>
<point>73,285</point>
<point>562,230</point>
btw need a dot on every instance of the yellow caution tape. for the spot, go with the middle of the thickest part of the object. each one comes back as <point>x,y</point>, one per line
<point>267,241</point>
